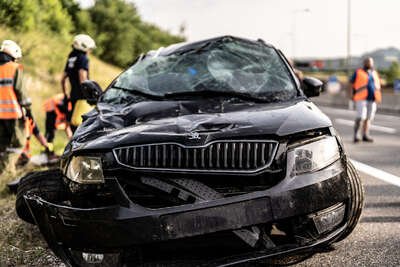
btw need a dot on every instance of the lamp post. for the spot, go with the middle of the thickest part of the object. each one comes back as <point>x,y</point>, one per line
<point>348,58</point>
<point>294,18</point>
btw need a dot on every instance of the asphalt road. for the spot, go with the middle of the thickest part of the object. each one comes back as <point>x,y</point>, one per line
<point>376,239</point>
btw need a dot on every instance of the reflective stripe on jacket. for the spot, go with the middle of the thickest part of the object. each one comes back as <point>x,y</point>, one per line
<point>360,90</point>
<point>9,106</point>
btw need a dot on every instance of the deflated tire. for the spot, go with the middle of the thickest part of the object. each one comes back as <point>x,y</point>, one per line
<point>45,184</point>
<point>356,200</point>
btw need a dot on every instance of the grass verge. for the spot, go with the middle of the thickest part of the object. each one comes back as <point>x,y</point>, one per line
<point>44,57</point>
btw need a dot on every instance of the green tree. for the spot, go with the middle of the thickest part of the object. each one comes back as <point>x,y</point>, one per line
<point>81,20</point>
<point>25,15</point>
<point>18,14</point>
<point>393,72</point>
<point>122,35</point>
<point>159,37</point>
<point>116,29</point>
<point>55,18</point>
<point>115,25</point>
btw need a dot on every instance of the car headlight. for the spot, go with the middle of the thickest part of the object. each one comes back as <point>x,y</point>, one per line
<point>85,170</point>
<point>312,156</point>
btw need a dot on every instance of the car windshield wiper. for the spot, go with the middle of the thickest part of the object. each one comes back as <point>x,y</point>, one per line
<point>211,93</point>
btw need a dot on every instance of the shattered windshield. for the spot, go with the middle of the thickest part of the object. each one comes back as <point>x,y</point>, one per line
<point>228,65</point>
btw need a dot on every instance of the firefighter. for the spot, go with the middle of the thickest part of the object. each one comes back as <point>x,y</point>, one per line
<point>32,129</point>
<point>57,109</point>
<point>77,69</point>
<point>366,91</point>
<point>11,95</point>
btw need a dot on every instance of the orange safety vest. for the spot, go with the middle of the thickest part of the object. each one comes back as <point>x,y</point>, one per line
<point>9,106</point>
<point>52,104</point>
<point>360,90</point>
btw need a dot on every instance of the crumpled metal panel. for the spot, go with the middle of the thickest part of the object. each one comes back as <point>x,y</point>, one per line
<point>145,122</point>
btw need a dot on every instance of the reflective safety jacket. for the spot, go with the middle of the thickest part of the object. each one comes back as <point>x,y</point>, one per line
<point>360,90</point>
<point>9,106</point>
<point>60,107</point>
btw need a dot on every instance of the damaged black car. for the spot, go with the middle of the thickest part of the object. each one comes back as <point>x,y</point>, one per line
<point>201,154</point>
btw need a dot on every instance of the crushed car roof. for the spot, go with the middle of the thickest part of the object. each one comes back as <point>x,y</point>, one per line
<point>184,46</point>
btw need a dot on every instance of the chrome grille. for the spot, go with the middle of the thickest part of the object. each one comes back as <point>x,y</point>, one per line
<point>217,156</point>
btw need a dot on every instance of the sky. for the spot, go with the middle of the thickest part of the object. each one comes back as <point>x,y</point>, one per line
<point>300,28</point>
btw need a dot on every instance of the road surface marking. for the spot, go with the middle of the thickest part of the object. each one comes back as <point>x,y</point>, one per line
<point>349,112</point>
<point>373,127</point>
<point>377,173</point>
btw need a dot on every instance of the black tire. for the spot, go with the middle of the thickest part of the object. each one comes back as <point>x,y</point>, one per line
<point>356,201</point>
<point>46,184</point>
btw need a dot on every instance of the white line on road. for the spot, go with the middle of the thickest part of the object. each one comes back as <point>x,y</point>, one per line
<point>377,173</point>
<point>350,112</point>
<point>373,127</point>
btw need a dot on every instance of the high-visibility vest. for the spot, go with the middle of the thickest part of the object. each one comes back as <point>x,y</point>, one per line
<point>9,106</point>
<point>360,90</point>
<point>52,104</point>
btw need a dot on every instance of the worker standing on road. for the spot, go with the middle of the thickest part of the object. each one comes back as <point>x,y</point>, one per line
<point>366,89</point>
<point>77,69</point>
<point>11,95</point>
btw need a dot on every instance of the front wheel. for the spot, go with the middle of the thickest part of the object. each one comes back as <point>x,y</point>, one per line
<point>356,200</point>
<point>46,184</point>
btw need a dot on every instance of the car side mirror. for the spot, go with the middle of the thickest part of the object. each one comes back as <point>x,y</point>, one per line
<point>312,86</point>
<point>91,91</point>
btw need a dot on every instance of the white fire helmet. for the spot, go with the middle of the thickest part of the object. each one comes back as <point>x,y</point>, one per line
<point>83,42</point>
<point>11,48</point>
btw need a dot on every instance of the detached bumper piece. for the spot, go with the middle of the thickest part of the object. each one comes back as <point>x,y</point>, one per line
<point>212,230</point>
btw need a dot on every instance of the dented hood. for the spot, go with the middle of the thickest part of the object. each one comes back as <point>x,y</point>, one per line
<point>109,126</point>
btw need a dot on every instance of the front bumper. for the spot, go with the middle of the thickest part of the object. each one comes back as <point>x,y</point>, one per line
<point>113,228</point>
